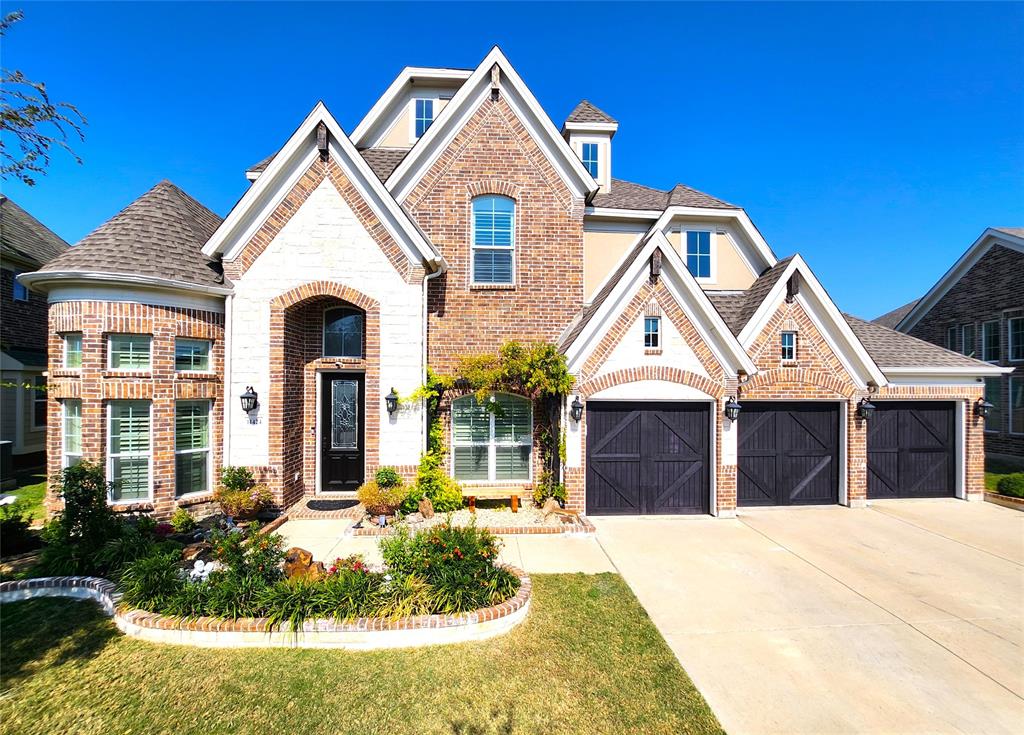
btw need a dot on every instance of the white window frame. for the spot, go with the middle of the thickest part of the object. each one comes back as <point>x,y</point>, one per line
<point>110,353</point>
<point>208,449</point>
<point>209,354</point>
<point>1009,339</point>
<point>1015,430</point>
<point>433,100</point>
<point>951,338</point>
<point>963,339</point>
<point>604,156</point>
<point>36,400</point>
<point>783,347</point>
<point>111,456</point>
<point>473,246</point>
<point>596,160</point>
<point>64,343</point>
<point>18,287</point>
<point>984,342</point>
<point>656,333</point>
<point>492,447</point>
<point>64,453</point>
<point>712,276</point>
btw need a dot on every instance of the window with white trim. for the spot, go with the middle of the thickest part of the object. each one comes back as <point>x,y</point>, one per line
<point>343,332</point>
<point>38,402</point>
<point>1015,332</point>
<point>129,455</point>
<point>967,346</point>
<point>990,341</point>
<point>589,157</point>
<point>72,432</point>
<point>424,115</point>
<point>951,338</point>
<point>788,345</point>
<point>493,239</point>
<point>492,441</point>
<point>698,253</point>
<point>191,447</point>
<point>994,395</point>
<point>191,355</point>
<point>129,351</point>
<point>73,350</point>
<point>1016,405</point>
<point>652,332</point>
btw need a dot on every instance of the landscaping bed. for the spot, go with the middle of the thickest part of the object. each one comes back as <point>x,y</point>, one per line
<point>587,659</point>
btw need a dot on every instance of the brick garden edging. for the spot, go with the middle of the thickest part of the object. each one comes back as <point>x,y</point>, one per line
<point>356,634</point>
<point>1005,500</point>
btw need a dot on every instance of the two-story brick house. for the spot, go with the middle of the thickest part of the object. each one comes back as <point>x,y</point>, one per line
<point>977,309</point>
<point>454,217</point>
<point>25,245</point>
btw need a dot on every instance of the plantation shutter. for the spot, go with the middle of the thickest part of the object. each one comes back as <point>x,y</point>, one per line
<point>493,223</point>
<point>129,449</point>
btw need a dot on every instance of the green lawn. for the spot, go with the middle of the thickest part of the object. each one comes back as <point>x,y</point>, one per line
<point>32,488</point>
<point>996,469</point>
<point>587,659</point>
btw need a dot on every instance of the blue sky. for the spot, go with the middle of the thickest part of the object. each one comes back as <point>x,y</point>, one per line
<point>878,140</point>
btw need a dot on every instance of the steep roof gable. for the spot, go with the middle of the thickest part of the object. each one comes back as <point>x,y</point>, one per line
<point>289,165</point>
<point>462,105</point>
<point>25,238</point>
<point>1009,237</point>
<point>160,235</point>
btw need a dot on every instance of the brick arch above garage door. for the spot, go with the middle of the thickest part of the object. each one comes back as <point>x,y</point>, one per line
<point>667,374</point>
<point>797,383</point>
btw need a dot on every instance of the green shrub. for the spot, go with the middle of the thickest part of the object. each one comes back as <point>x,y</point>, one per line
<point>547,489</point>
<point>236,478</point>
<point>152,582</point>
<point>388,477</point>
<point>15,520</point>
<point>249,553</point>
<point>1012,485</point>
<point>245,503</point>
<point>380,500</point>
<point>432,482</point>
<point>182,521</point>
<point>75,535</point>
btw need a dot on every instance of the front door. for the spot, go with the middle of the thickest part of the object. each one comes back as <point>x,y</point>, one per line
<point>342,416</point>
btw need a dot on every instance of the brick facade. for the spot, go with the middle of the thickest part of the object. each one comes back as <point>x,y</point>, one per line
<point>24,324</point>
<point>96,385</point>
<point>990,291</point>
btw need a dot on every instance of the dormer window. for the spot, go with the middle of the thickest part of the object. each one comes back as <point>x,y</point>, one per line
<point>590,158</point>
<point>698,253</point>
<point>424,116</point>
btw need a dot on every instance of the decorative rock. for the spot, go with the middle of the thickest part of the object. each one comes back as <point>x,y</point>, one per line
<point>299,564</point>
<point>414,518</point>
<point>196,551</point>
<point>426,507</point>
<point>550,506</point>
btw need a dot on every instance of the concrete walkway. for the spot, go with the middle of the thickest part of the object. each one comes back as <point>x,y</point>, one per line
<point>903,617</point>
<point>539,554</point>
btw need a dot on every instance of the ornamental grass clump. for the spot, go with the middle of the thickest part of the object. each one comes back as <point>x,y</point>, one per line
<point>238,494</point>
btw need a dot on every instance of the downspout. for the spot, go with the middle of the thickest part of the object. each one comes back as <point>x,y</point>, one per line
<point>226,426</point>
<point>441,267</point>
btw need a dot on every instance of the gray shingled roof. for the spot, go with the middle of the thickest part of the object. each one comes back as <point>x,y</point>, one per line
<point>585,112</point>
<point>382,161</point>
<point>736,309</point>
<point>160,234</point>
<point>891,318</point>
<point>889,348</point>
<point>627,195</point>
<point>1015,231</point>
<point>25,238</point>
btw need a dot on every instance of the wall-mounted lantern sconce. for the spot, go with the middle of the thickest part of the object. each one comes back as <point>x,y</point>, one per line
<point>391,399</point>
<point>865,409</point>
<point>732,409</point>
<point>249,400</point>
<point>982,408</point>
<point>576,409</point>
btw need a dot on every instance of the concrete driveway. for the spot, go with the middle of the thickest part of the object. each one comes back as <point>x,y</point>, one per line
<point>904,617</point>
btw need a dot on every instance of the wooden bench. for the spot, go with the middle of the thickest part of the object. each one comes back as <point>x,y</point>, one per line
<point>488,492</point>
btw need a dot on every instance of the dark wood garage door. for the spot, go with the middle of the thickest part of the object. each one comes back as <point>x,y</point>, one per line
<point>788,454</point>
<point>912,450</point>
<point>646,458</point>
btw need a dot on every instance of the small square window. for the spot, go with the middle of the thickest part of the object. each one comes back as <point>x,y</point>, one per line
<point>990,341</point>
<point>73,350</point>
<point>191,355</point>
<point>590,158</point>
<point>652,332</point>
<point>128,351</point>
<point>698,253</point>
<point>788,346</point>
<point>424,116</point>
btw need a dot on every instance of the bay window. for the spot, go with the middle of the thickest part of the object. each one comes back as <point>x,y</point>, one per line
<point>73,350</point>
<point>129,351</point>
<point>191,447</point>
<point>191,355</point>
<point>72,432</point>
<point>492,441</point>
<point>128,449</point>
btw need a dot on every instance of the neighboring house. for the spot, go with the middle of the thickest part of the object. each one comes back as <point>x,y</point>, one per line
<point>977,309</point>
<point>25,245</point>
<point>454,217</point>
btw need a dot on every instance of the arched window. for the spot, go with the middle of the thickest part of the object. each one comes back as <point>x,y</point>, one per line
<point>492,441</point>
<point>493,239</point>
<point>343,332</point>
